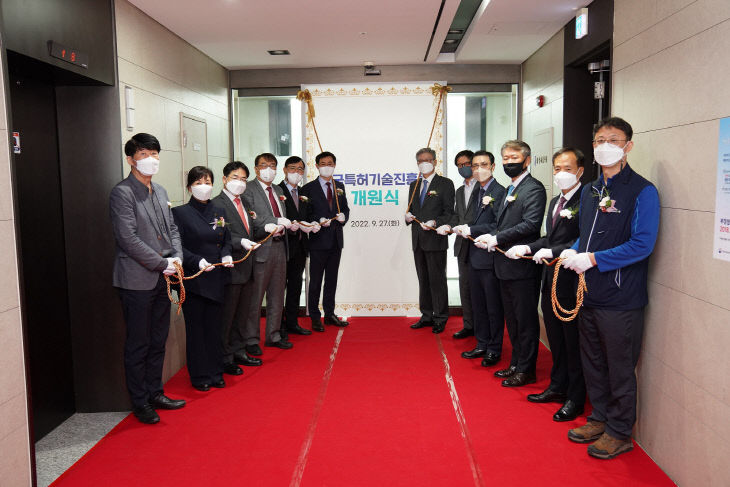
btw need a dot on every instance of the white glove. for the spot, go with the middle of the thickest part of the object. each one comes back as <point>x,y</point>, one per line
<point>409,217</point>
<point>427,226</point>
<point>305,227</point>
<point>227,261</point>
<point>341,217</point>
<point>285,222</point>
<point>294,226</point>
<point>316,228</point>
<point>542,254</point>
<point>280,230</point>
<point>170,269</point>
<point>462,230</point>
<point>204,264</point>
<point>324,222</point>
<point>249,244</point>
<point>443,230</point>
<point>481,241</point>
<point>270,227</point>
<point>578,262</point>
<point>517,251</point>
<point>488,242</point>
<point>567,253</point>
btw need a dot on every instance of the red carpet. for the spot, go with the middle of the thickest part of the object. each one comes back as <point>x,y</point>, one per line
<point>372,408</point>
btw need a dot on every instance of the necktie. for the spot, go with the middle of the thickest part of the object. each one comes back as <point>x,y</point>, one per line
<point>329,194</point>
<point>482,194</point>
<point>510,189</point>
<point>295,197</point>
<point>274,204</point>
<point>424,190</point>
<point>239,207</point>
<point>556,215</point>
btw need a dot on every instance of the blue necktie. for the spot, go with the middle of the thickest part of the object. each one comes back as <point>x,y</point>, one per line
<point>510,189</point>
<point>424,191</point>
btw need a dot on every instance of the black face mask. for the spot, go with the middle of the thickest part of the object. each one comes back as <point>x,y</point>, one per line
<point>513,169</point>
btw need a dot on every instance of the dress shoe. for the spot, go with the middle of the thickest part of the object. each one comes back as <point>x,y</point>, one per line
<point>205,387</point>
<point>244,359</point>
<point>504,373</point>
<point>438,327</point>
<point>146,414</point>
<point>317,325</point>
<point>490,359</point>
<point>568,412</point>
<point>161,401</point>
<point>519,379</point>
<point>422,324</point>
<point>548,395</point>
<point>282,344</point>
<point>254,350</point>
<point>298,330</point>
<point>232,369</point>
<point>334,320</point>
<point>220,384</point>
<point>476,353</point>
<point>284,333</point>
<point>463,333</point>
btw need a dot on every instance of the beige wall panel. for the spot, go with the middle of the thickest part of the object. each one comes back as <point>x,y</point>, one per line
<point>6,191</point>
<point>171,175</point>
<point>13,411</point>
<point>632,17</point>
<point>175,345</point>
<point>12,371</point>
<point>15,461</point>
<point>216,165</point>
<point>8,266</point>
<point>553,93</point>
<point>556,117</point>
<point>544,67</point>
<point>217,86</point>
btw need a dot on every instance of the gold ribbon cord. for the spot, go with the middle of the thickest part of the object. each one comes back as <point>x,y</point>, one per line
<point>306,97</point>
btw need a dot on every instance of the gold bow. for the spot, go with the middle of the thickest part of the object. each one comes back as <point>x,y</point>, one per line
<point>306,97</point>
<point>438,89</point>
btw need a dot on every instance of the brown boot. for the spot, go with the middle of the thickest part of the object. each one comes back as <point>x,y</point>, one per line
<point>608,447</point>
<point>587,433</point>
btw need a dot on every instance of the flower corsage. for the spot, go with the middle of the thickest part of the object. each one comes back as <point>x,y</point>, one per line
<point>304,199</point>
<point>282,197</point>
<point>607,205</point>
<point>252,214</point>
<point>218,223</point>
<point>487,200</point>
<point>511,198</point>
<point>569,213</point>
<point>340,192</point>
<point>433,193</point>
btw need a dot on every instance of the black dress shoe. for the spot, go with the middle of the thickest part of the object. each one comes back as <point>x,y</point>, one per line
<point>146,414</point>
<point>283,344</point>
<point>504,373</point>
<point>220,384</point>
<point>438,327</point>
<point>519,379</point>
<point>283,333</point>
<point>463,333</point>
<point>568,412</point>
<point>254,350</point>
<point>298,330</point>
<point>161,401</point>
<point>317,325</point>
<point>422,324</point>
<point>490,359</point>
<point>244,359</point>
<point>548,395</point>
<point>476,353</point>
<point>232,369</point>
<point>205,387</point>
<point>334,320</point>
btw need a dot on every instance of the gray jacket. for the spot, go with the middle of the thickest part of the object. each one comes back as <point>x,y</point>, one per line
<point>143,240</point>
<point>257,200</point>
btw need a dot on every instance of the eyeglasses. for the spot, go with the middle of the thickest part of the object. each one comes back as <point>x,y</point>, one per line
<point>476,166</point>
<point>264,165</point>
<point>466,164</point>
<point>611,141</point>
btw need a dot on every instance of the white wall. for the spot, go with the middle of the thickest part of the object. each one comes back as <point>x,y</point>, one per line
<point>670,72</point>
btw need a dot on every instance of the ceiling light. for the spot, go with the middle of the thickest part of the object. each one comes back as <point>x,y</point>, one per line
<point>456,31</point>
<point>451,41</point>
<point>279,52</point>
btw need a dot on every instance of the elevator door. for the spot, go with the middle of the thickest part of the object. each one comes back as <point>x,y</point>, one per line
<point>43,256</point>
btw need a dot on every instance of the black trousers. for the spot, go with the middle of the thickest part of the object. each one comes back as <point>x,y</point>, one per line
<point>433,293</point>
<point>487,309</point>
<point>465,293</point>
<point>520,298</point>
<point>610,342</point>
<point>566,375</point>
<point>294,273</point>
<point>203,330</point>
<point>236,308</point>
<point>147,316</point>
<point>323,264</point>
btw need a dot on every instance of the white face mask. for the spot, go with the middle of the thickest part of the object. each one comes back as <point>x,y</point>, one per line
<point>148,166</point>
<point>236,186</point>
<point>326,171</point>
<point>482,173</point>
<point>565,180</point>
<point>267,174</point>
<point>201,192</point>
<point>294,178</point>
<point>608,154</point>
<point>425,167</point>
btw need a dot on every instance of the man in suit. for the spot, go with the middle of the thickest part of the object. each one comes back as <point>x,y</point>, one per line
<point>519,219</point>
<point>266,200</point>
<point>240,290</point>
<point>464,209</point>
<point>432,199</point>
<point>567,386</point>
<point>298,245</point>
<point>326,200</point>
<point>484,285</point>
<point>147,246</point>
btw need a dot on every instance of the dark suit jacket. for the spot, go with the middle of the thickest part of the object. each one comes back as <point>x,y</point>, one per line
<point>559,238</point>
<point>464,215</point>
<point>317,207</point>
<point>201,241</point>
<point>438,206</point>
<point>519,223</point>
<point>298,241</point>
<point>484,221</point>
<point>242,272</point>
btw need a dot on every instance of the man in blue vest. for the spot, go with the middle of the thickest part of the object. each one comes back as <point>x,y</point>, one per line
<point>619,221</point>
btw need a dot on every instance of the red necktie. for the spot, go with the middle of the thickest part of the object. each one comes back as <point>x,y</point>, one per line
<point>274,204</point>
<point>556,215</point>
<point>239,207</point>
<point>329,194</point>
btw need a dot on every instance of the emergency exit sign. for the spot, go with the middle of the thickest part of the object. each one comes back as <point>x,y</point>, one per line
<point>581,23</point>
